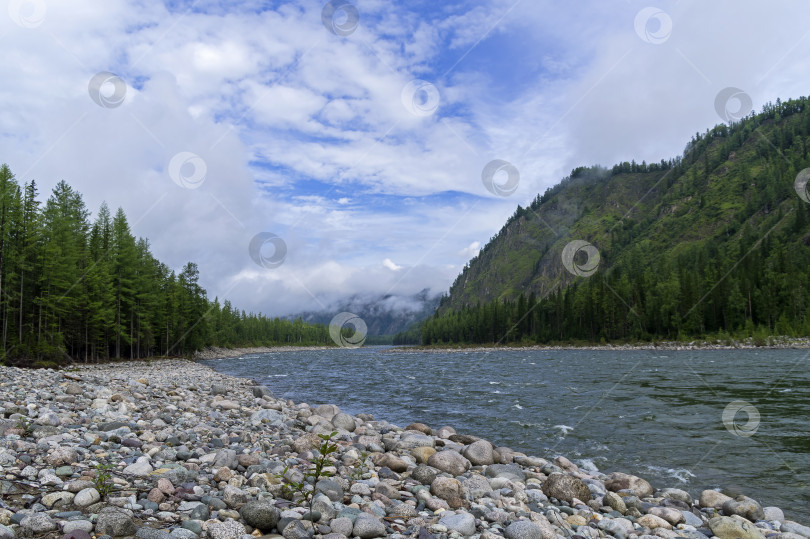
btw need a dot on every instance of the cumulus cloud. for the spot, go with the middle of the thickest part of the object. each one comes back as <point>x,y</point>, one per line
<point>304,134</point>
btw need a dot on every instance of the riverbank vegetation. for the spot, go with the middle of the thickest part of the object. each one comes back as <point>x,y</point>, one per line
<point>72,288</point>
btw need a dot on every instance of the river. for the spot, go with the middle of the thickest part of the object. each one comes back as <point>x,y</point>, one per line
<point>657,414</point>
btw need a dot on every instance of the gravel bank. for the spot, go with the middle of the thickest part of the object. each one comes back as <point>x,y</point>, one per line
<point>194,453</point>
<point>215,352</point>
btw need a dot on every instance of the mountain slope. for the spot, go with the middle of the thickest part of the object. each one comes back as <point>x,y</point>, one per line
<point>715,240</point>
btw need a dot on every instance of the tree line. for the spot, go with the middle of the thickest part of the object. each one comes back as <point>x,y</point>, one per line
<point>72,288</point>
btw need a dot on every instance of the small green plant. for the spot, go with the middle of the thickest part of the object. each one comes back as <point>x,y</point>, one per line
<point>290,489</point>
<point>103,479</point>
<point>361,468</point>
<point>24,425</point>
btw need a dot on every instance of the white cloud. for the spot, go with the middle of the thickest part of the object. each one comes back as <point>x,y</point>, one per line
<point>388,263</point>
<point>471,250</point>
<point>304,133</point>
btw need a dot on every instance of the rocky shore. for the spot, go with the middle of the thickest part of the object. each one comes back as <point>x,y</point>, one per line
<point>216,352</point>
<point>190,453</point>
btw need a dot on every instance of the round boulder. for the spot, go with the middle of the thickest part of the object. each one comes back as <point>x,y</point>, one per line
<point>367,526</point>
<point>523,529</point>
<point>450,462</point>
<point>261,514</point>
<point>344,421</point>
<point>566,487</point>
<point>622,481</point>
<point>479,453</point>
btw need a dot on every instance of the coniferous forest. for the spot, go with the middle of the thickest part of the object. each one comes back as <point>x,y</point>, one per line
<point>712,244</point>
<point>76,289</point>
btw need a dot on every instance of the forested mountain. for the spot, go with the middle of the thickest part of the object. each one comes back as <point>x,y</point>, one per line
<point>75,289</point>
<point>714,242</point>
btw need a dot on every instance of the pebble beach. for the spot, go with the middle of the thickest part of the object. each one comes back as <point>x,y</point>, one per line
<point>191,453</point>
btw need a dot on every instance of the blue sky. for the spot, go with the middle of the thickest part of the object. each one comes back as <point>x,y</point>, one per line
<point>314,136</point>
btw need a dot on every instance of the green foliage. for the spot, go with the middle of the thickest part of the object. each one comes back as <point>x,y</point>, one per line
<point>712,243</point>
<point>103,479</point>
<point>25,427</point>
<point>76,289</point>
<point>304,490</point>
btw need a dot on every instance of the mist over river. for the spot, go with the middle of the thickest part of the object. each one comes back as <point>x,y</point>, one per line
<point>658,414</point>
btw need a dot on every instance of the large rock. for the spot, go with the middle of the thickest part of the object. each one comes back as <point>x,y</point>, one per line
<point>48,418</point>
<point>297,529</point>
<point>327,411</point>
<point>261,392</point>
<point>269,416</point>
<point>745,507</point>
<point>463,523</point>
<point>86,497</point>
<point>446,488</point>
<point>234,497</point>
<point>523,529</point>
<point>479,453</point>
<point>115,522</point>
<point>225,458</point>
<point>476,486</point>
<point>712,498</point>
<point>261,514</point>
<point>38,523</point>
<point>622,481</point>
<point>331,488</point>
<point>224,530</point>
<point>139,468</point>
<point>422,454</point>
<point>419,427</point>
<point>671,515</point>
<point>512,472</point>
<point>615,502</point>
<point>62,456</point>
<point>307,442</point>
<point>566,487</point>
<point>795,528</point>
<point>151,533</point>
<point>653,522</point>
<point>424,474</point>
<point>344,421</point>
<point>450,462</point>
<point>773,513</point>
<point>676,494</point>
<point>413,439</point>
<point>367,526</point>
<point>391,461</point>
<point>732,528</point>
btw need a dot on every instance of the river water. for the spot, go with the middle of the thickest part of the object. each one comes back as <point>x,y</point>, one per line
<point>657,414</point>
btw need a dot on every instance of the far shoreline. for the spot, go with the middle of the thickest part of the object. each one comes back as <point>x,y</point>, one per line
<point>772,343</point>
